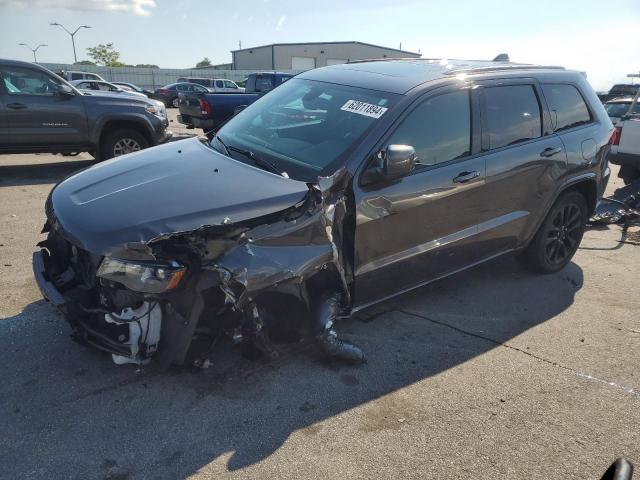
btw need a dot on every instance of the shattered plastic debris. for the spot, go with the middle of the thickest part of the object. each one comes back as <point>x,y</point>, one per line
<point>622,207</point>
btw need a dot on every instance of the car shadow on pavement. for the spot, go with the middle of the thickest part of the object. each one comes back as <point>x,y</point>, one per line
<point>41,173</point>
<point>68,412</point>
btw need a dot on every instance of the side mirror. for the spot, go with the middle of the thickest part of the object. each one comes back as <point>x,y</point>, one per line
<point>394,162</point>
<point>398,161</point>
<point>65,90</point>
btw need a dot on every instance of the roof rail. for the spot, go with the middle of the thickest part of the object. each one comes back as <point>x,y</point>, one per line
<point>415,59</point>
<point>482,65</point>
<point>503,67</point>
<point>386,59</point>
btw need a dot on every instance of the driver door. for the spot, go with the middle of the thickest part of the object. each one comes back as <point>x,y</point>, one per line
<point>422,226</point>
<point>37,115</point>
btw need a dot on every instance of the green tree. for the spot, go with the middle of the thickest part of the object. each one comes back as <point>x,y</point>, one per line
<point>105,54</point>
<point>205,62</point>
<point>84,62</point>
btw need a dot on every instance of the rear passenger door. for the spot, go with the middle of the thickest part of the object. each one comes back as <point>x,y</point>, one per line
<point>524,161</point>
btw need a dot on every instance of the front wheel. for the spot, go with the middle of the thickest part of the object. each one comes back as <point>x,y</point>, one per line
<point>559,236</point>
<point>175,103</point>
<point>121,142</point>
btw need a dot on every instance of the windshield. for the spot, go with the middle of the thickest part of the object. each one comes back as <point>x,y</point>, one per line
<point>619,109</point>
<point>304,127</point>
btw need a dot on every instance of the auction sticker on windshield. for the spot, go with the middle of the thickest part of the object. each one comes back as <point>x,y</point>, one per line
<point>363,108</point>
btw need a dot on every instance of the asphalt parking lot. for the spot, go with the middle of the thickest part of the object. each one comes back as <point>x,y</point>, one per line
<point>492,373</point>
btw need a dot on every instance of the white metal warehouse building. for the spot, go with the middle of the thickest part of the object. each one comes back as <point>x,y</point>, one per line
<point>305,56</point>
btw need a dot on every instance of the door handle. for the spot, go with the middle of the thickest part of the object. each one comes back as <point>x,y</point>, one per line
<point>16,106</point>
<point>464,177</point>
<point>550,151</point>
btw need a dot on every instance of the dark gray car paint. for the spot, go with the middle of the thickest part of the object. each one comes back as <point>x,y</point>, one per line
<point>70,123</point>
<point>4,124</point>
<point>178,187</point>
<point>382,238</point>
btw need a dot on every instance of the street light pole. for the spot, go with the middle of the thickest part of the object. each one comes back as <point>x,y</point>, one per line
<point>34,50</point>
<point>73,42</point>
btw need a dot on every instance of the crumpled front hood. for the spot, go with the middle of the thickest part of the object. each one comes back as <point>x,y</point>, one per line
<point>177,187</point>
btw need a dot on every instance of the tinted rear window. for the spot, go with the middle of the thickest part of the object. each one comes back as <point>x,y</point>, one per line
<point>568,105</point>
<point>513,115</point>
<point>264,84</point>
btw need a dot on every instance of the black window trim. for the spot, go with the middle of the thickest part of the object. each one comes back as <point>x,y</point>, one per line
<point>545,116</point>
<point>592,119</point>
<point>475,132</point>
<point>3,90</point>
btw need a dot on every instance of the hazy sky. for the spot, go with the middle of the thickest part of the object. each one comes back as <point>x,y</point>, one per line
<point>597,36</point>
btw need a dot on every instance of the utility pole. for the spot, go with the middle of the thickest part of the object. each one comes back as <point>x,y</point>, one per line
<point>239,44</point>
<point>34,50</point>
<point>633,75</point>
<point>55,24</point>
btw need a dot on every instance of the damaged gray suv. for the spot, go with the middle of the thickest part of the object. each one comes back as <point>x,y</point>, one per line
<point>341,188</point>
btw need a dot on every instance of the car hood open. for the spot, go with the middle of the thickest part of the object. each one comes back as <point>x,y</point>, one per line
<point>177,187</point>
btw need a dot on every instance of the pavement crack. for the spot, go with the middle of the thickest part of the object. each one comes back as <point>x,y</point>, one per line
<point>626,389</point>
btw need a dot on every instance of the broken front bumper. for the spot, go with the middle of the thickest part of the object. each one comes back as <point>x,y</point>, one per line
<point>48,289</point>
<point>131,335</point>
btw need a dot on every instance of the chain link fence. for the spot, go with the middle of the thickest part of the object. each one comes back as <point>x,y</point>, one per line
<point>152,78</point>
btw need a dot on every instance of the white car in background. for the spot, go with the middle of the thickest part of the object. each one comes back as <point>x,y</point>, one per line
<point>70,75</point>
<point>214,85</point>
<point>625,143</point>
<point>90,86</point>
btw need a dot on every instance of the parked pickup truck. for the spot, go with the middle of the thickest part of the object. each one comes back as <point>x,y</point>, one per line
<point>209,111</point>
<point>41,112</point>
<point>619,90</point>
<point>625,143</point>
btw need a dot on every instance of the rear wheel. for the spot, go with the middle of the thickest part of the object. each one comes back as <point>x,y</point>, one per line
<point>559,236</point>
<point>175,103</point>
<point>121,142</point>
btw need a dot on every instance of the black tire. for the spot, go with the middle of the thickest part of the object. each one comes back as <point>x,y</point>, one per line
<point>121,142</point>
<point>559,236</point>
<point>175,102</point>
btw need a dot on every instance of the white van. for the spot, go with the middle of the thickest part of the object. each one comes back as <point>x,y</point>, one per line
<point>71,75</point>
<point>215,85</point>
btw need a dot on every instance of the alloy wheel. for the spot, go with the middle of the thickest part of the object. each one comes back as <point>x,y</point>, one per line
<point>563,235</point>
<point>124,146</point>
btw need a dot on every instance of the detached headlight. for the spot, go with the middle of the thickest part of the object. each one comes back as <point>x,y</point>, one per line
<point>158,109</point>
<point>142,277</point>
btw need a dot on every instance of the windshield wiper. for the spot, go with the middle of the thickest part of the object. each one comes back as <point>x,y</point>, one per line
<point>258,161</point>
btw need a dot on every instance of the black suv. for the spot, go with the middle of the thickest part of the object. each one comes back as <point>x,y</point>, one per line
<point>339,189</point>
<point>41,112</point>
